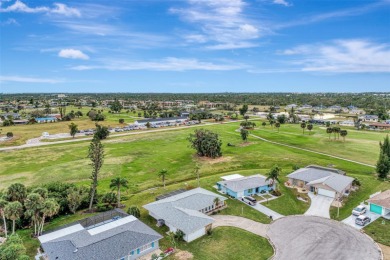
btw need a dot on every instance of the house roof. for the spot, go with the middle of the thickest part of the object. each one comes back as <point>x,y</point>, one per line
<point>313,174</point>
<point>231,177</point>
<point>382,199</point>
<point>111,240</point>
<point>244,183</point>
<point>152,120</point>
<point>183,210</point>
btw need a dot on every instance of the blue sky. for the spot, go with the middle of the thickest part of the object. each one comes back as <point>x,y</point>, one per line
<point>194,46</point>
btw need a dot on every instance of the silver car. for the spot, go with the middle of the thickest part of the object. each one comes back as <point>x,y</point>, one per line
<point>362,220</point>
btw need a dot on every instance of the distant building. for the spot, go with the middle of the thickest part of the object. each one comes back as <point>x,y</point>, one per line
<point>162,121</point>
<point>239,186</point>
<point>369,118</point>
<point>111,235</point>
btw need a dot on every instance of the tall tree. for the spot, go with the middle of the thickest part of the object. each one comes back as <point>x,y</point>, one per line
<point>385,146</point>
<point>336,131</point>
<point>116,106</point>
<point>303,126</point>
<point>117,183</point>
<point>73,128</point>
<point>96,155</point>
<point>243,109</point>
<point>244,134</point>
<point>49,209</point>
<point>206,143</point>
<point>62,110</point>
<point>74,197</point>
<point>16,192</point>
<point>197,172</point>
<point>277,125</point>
<point>343,134</point>
<point>3,203</point>
<point>310,127</point>
<point>383,165</point>
<point>34,204</point>
<point>13,211</point>
<point>163,174</point>
<point>329,130</point>
<point>274,174</point>
<point>264,124</point>
<point>101,132</point>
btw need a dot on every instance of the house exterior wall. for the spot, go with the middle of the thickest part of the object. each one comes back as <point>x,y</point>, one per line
<point>195,235</point>
<point>385,211</point>
<point>136,253</point>
<point>256,190</point>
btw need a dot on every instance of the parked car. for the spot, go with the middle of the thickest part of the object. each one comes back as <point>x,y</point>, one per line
<point>362,220</point>
<point>249,200</point>
<point>359,210</point>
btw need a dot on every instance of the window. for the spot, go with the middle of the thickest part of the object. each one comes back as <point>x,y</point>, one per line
<point>145,247</point>
<point>250,190</point>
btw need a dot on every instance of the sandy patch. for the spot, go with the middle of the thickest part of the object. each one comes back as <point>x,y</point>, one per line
<point>183,255</point>
<point>214,161</point>
<point>245,144</point>
<point>385,251</point>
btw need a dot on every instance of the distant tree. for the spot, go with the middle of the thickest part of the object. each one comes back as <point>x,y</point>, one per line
<point>264,124</point>
<point>281,119</point>
<point>255,109</point>
<point>385,146</point>
<point>272,122</point>
<point>121,121</point>
<point>206,143</point>
<point>383,165</point>
<point>134,210</point>
<point>101,132</point>
<point>148,125</point>
<point>116,106</point>
<point>10,134</point>
<point>336,131</point>
<point>246,118</point>
<point>197,173</point>
<point>327,124</point>
<point>16,192</point>
<point>96,155</point>
<point>163,174</point>
<point>13,211</point>
<point>329,131</point>
<point>118,183</point>
<point>78,113</point>
<point>3,203</point>
<point>310,127</point>
<point>243,110</point>
<point>62,110</point>
<point>303,126</point>
<point>343,134</point>
<point>73,129</point>
<point>244,134</point>
<point>277,125</point>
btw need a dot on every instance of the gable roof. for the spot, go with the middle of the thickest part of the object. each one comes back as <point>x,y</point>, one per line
<point>313,174</point>
<point>183,210</point>
<point>119,236</point>
<point>244,183</point>
<point>382,199</point>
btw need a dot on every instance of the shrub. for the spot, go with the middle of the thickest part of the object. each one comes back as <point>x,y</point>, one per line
<point>134,210</point>
<point>121,121</point>
<point>10,134</point>
<point>276,193</point>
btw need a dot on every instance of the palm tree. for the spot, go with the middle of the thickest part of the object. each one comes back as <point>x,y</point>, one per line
<point>49,209</point>
<point>163,174</point>
<point>217,200</point>
<point>117,183</point>
<point>336,131</point>
<point>344,133</point>
<point>3,203</point>
<point>329,131</point>
<point>197,169</point>
<point>303,126</point>
<point>273,175</point>
<point>13,211</point>
<point>34,204</point>
<point>264,124</point>
<point>310,127</point>
<point>16,192</point>
<point>277,125</point>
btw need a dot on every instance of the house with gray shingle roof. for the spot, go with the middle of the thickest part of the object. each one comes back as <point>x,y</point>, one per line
<point>379,203</point>
<point>325,181</point>
<point>122,237</point>
<point>187,211</point>
<point>240,186</point>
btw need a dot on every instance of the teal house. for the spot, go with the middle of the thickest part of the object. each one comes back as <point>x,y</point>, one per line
<point>379,203</point>
<point>238,186</point>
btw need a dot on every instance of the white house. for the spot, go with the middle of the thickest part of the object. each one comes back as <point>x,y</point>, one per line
<point>162,121</point>
<point>187,212</point>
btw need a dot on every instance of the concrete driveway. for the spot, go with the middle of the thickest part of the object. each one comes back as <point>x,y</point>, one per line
<point>319,206</point>
<point>308,237</point>
<point>239,222</point>
<point>263,209</point>
<point>351,219</point>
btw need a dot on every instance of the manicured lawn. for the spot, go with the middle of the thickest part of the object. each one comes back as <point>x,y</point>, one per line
<point>228,243</point>
<point>379,232</point>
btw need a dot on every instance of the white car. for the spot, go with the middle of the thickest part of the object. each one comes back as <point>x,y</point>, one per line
<point>359,210</point>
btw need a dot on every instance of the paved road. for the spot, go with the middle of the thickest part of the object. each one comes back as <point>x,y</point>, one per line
<point>315,238</point>
<point>239,222</point>
<point>311,151</point>
<point>319,206</point>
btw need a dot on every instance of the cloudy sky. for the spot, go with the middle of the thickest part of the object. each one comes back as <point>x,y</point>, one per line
<point>194,45</point>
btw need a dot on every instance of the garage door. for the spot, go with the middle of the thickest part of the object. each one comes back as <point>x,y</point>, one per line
<point>327,193</point>
<point>376,209</point>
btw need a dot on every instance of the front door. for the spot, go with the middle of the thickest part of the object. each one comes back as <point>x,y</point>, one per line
<point>257,190</point>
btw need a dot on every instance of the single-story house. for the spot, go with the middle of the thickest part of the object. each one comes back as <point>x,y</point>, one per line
<point>380,203</point>
<point>376,125</point>
<point>187,211</point>
<point>112,235</point>
<point>325,181</point>
<point>163,121</point>
<point>369,118</point>
<point>239,186</point>
<point>46,119</point>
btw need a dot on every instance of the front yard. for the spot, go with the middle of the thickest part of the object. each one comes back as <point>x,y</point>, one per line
<point>379,230</point>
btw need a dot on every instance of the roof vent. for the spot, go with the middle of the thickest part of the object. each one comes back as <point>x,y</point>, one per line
<point>75,251</point>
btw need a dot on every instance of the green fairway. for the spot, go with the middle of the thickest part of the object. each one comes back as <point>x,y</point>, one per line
<point>379,230</point>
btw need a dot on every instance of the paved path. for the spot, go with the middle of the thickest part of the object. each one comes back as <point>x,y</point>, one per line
<point>267,211</point>
<point>240,222</point>
<point>311,151</point>
<point>308,237</point>
<point>319,206</point>
<point>351,220</point>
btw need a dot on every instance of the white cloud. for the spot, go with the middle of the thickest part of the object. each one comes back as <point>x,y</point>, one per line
<point>60,9</point>
<point>9,21</point>
<point>219,23</point>
<point>72,54</point>
<point>281,2</point>
<point>29,79</point>
<point>167,64</point>
<point>343,56</point>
